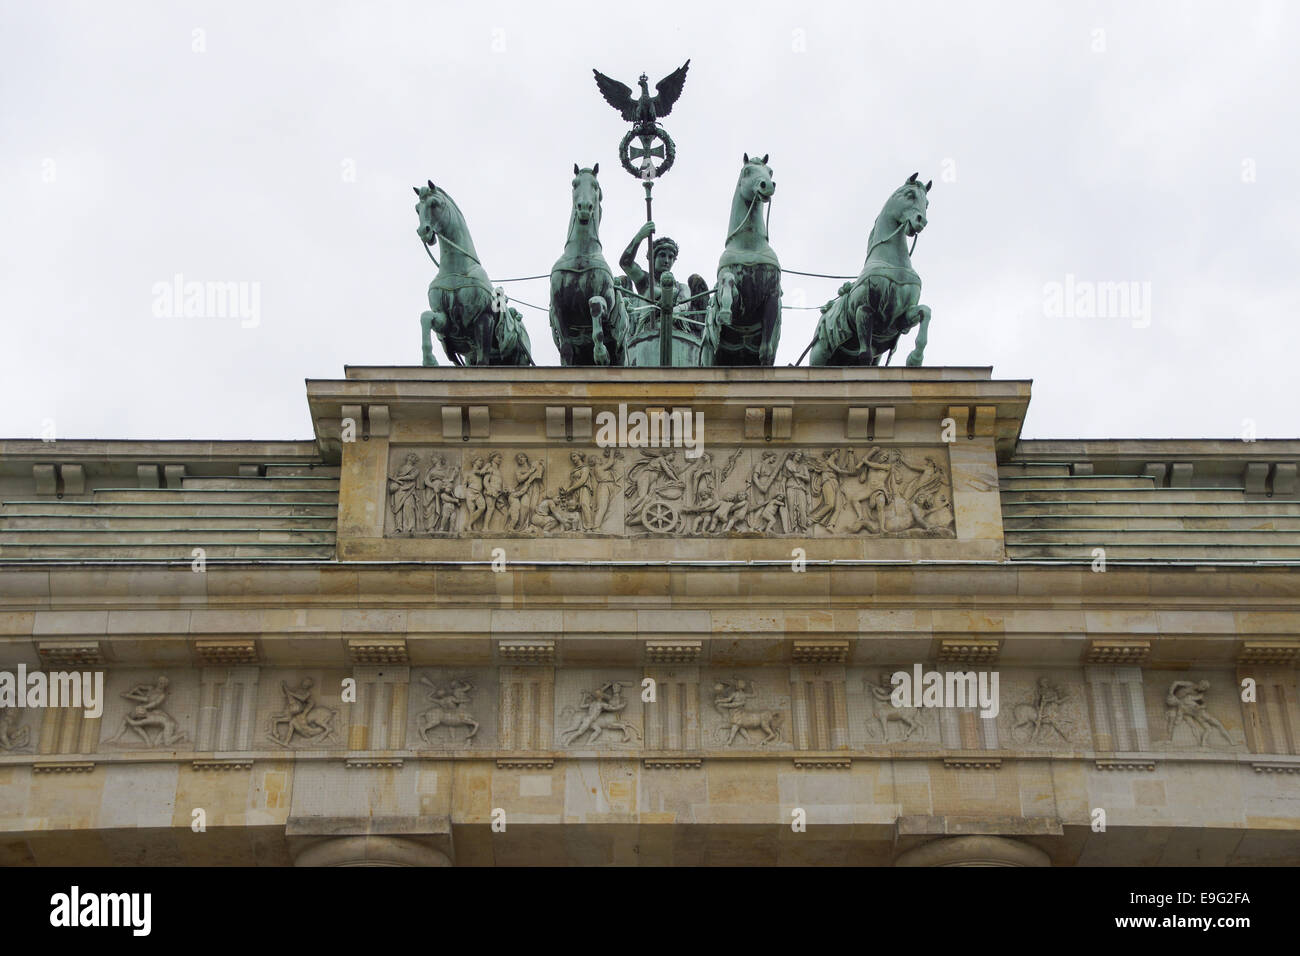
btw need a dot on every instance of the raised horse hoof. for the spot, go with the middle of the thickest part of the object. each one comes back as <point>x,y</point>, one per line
<point>601,355</point>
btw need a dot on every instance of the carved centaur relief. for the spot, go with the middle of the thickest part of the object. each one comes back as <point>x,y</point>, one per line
<point>735,702</point>
<point>599,709</point>
<point>844,491</point>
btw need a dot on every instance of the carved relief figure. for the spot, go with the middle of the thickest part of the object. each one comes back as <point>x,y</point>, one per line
<point>1041,713</point>
<point>148,720</point>
<point>798,493</point>
<point>494,493</point>
<point>885,713</point>
<point>556,514</point>
<point>605,469</point>
<point>731,701</point>
<point>597,712</point>
<point>13,736</point>
<point>443,495</point>
<point>727,513</point>
<point>449,700</point>
<point>757,491</point>
<point>760,488</point>
<point>702,484</point>
<point>891,497</point>
<point>302,716</point>
<point>530,478</point>
<point>653,481</point>
<point>1186,704</point>
<point>825,485</point>
<point>403,501</point>
<point>581,488</point>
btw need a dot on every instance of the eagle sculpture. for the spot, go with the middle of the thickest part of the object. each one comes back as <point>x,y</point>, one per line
<point>646,109</point>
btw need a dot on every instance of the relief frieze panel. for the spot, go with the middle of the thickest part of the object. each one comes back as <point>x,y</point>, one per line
<point>843,491</point>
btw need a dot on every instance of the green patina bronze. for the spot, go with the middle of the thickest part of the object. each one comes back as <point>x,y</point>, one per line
<point>473,322</point>
<point>646,332</point>
<point>588,318</point>
<point>645,317</point>
<point>658,334</point>
<point>743,324</point>
<point>864,321</point>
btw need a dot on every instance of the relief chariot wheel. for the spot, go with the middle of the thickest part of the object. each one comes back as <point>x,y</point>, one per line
<point>659,516</point>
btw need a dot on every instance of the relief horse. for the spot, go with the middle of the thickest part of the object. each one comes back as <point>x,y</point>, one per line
<point>869,315</point>
<point>885,713</point>
<point>473,323</point>
<point>588,317</point>
<point>743,323</point>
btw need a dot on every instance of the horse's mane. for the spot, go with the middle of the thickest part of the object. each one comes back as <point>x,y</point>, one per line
<point>438,190</point>
<point>871,239</point>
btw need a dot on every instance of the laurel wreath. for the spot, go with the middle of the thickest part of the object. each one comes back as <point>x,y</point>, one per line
<point>625,155</point>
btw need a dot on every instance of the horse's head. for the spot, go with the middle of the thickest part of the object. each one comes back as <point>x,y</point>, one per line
<point>908,205</point>
<point>755,180</point>
<point>434,209</point>
<point>586,194</point>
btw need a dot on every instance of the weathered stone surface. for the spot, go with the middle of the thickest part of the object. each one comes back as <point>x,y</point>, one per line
<point>382,698</point>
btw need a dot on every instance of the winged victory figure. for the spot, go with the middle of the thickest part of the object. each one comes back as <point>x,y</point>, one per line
<point>646,109</point>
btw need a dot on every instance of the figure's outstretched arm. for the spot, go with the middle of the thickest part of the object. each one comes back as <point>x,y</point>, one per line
<point>627,262</point>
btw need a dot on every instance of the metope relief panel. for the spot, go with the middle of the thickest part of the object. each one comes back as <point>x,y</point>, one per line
<point>843,492</point>
<point>304,709</point>
<point>15,730</point>
<point>149,710</point>
<point>1194,710</point>
<point>877,721</point>
<point>599,710</point>
<point>746,710</point>
<point>1043,710</point>
<point>452,709</point>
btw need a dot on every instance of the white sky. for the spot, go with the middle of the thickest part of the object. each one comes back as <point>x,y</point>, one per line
<point>126,157</point>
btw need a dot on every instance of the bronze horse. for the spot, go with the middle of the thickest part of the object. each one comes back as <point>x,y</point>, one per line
<point>588,318</point>
<point>743,322</point>
<point>473,323</point>
<point>865,320</point>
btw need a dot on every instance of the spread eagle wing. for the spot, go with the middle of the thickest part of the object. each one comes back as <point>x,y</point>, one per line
<point>618,95</point>
<point>669,88</point>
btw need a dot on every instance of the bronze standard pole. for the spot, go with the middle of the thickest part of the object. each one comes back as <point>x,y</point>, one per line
<point>665,324</point>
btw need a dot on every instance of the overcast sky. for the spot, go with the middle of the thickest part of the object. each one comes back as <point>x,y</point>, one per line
<point>276,144</point>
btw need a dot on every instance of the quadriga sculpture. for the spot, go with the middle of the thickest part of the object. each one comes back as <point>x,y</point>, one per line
<point>743,323</point>
<point>474,325</point>
<point>588,318</point>
<point>865,321</point>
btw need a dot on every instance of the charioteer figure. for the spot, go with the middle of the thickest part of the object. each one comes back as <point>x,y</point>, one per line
<point>665,257</point>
